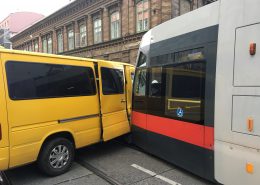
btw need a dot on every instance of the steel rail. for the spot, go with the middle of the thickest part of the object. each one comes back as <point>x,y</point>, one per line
<point>99,173</point>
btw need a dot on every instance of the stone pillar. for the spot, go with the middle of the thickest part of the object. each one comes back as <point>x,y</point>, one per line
<point>86,23</point>
<point>54,42</point>
<point>124,12</point>
<point>105,25</point>
<point>40,43</point>
<point>76,34</point>
<point>90,30</point>
<point>132,18</point>
<point>166,10</point>
<point>155,12</point>
<point>133,56</point>
<point>65,39</point>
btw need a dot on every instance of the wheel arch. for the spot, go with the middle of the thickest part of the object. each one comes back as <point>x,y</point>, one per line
<point>61,134</point>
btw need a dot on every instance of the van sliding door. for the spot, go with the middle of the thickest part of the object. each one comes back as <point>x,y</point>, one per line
<point>113,100</point>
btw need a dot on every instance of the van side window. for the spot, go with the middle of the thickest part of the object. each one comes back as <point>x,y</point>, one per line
<point>112,81</point>
<point>38,80</point>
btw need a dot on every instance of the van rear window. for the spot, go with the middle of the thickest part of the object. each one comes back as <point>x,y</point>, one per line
<point>28,80</point>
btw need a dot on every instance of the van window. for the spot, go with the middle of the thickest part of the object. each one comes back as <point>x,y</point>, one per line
<point>112,81</point>
<point>38,80</point>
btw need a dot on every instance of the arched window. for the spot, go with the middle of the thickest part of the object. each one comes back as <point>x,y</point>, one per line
<point>115,25</point>
<point>142,15</point>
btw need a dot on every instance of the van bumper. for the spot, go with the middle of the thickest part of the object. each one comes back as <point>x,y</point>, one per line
<point>4,158</point>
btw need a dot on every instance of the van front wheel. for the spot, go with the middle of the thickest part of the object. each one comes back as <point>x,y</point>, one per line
<point>56,157</point>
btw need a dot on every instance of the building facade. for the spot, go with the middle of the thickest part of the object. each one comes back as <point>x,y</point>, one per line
<point>15,23</point>
<point>105,29</point>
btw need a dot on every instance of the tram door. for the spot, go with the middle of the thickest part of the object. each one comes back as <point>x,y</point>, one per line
<point>139,113</point>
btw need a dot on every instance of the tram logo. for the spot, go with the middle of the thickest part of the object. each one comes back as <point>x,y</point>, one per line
<point>180,112</point>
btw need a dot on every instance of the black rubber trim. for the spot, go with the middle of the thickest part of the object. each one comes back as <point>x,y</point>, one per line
<point>78,118</point>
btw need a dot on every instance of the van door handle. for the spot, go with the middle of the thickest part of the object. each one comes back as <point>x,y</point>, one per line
<point>122,101</point>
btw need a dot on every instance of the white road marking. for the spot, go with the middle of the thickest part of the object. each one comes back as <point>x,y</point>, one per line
<point>155,175</point>
<point>143,169</point>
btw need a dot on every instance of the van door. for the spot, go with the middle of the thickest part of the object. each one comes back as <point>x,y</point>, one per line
<point>113,100</point>
<point>4,133</point>
<point>129,77</point>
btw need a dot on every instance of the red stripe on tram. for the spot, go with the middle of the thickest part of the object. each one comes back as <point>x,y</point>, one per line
<point>202,136</point>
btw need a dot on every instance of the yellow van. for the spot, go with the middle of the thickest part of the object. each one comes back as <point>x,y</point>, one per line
<point>50,105</point>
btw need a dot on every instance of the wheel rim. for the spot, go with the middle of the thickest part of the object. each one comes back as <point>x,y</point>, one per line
<point>59,156</point>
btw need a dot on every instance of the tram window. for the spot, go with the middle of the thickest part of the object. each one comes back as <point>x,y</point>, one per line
<point>112,81</point>
<point>176,57</point>
<point>185,92</point>
<point>141,60</point>
<point>189,55</point>
<point>28,80</point>
<point>132,76</point>
<point>140,83</point>
<point>155,82</point>
<point>160,60</point>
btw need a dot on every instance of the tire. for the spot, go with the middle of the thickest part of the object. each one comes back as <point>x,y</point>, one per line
<point>56,157</point>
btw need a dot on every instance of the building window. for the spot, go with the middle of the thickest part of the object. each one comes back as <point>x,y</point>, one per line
<point>97,31</point>
<point>83,35</point>
<point>142,14</point>
<point>71,41</point>
<point>49,43</point>
<point>60,41</point>
<point>115,25</point>
<point>44,45</point>
<point>36,46</point>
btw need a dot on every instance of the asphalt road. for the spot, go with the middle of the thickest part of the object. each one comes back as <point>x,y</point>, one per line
<point>109,163</point>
